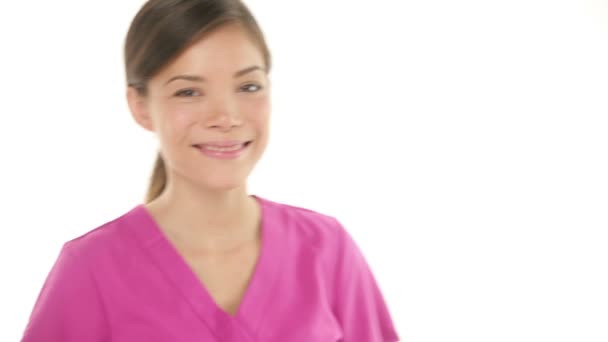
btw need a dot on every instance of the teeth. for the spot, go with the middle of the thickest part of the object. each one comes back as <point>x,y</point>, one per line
<point>223,149</point>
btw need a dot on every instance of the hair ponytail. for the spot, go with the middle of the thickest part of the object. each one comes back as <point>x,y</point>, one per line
<point>158,179</point>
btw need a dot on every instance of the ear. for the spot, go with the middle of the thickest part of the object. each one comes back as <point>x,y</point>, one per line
<point>139,109</point>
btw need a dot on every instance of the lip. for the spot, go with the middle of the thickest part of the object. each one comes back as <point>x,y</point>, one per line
<point>224,154</point>
<point>223,143</point>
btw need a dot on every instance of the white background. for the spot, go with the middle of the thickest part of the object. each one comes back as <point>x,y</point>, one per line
<point>462,143</point>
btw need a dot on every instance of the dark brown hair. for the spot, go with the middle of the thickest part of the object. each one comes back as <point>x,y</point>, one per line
<point>162,30</point>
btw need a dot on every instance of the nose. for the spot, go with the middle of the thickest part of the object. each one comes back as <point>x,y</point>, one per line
<point>224,114</point>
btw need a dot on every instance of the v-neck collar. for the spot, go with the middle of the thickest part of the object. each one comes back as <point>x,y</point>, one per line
<point>243,325</point>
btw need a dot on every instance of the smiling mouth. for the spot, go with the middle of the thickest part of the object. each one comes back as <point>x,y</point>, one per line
<point>223,152</point>
<point>220,148</point>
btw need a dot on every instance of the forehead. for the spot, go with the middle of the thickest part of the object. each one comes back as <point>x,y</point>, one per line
<point>227,48</point>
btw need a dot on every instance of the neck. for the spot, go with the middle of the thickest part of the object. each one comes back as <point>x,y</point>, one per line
<point>208,219</point>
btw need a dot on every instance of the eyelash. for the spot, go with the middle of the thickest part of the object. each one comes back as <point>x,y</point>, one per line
<point>181,92</point>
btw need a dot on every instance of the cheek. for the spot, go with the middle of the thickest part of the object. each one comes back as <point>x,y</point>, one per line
<point>175,119</point>
<point>258,111</point>
<point>182,118</point>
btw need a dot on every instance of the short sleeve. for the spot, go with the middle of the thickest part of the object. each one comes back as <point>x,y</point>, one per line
<point>68,307</point>
<point>359,304</point>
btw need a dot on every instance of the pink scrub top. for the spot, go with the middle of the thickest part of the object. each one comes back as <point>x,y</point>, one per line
<point>125,282</point>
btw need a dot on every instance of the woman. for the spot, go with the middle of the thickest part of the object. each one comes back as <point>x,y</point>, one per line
<point>201,260</point>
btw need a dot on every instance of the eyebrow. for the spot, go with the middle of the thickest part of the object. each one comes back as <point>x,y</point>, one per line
<point>195,78</point>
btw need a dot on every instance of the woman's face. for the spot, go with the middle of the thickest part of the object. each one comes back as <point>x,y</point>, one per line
<point>216,91</point>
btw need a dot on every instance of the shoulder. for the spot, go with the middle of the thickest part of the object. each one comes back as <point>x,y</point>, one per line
<point>306,226</point>
<point>104,239</point>
<point>307,217</point>
<point>59,312</point>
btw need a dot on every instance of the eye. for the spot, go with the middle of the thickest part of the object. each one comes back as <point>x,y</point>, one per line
<point>186,93</point>
<point>248,88</point>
